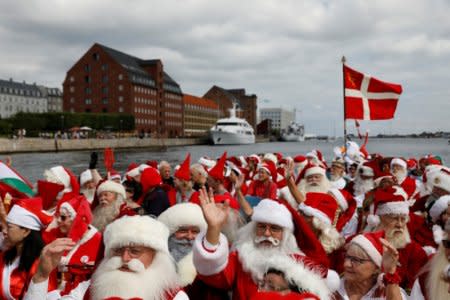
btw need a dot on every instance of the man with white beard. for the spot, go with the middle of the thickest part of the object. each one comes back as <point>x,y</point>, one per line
<point>399,169</point>
<point>431,283</point>
<point>392,215</point>
<point>88,183</point>
<point>137,264</point>
<point>337,173</point>
<point>362,184</point>
<point>269,234</point>
<point>111,198</point>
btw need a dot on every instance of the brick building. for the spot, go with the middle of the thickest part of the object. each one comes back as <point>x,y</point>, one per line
<point>109,81</point>
<point>225,98</point>
<point>200,114</point>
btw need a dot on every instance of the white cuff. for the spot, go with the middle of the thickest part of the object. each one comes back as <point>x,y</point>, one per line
<point>210,259</point>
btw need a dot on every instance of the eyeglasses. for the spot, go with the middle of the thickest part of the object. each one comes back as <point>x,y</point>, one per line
<point>133,251</point>
<point>446,244</point>
<point>356,261</point>
<point>63,217</point>
<point>261,228</point>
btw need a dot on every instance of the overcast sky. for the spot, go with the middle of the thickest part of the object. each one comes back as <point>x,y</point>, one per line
<point>286,52</point>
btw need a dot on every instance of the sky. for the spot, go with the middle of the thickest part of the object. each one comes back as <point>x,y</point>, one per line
<point>288,53</point>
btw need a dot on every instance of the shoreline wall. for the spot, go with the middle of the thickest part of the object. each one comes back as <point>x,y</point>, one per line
<point>25,145</point>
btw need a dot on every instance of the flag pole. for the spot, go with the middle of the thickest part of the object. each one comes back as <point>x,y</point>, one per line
<point>343,94</point>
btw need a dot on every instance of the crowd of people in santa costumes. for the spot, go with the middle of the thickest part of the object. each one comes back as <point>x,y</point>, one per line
<point>262,226</point>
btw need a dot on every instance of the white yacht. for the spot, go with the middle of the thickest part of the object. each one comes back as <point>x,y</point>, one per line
<point>293,133</point>
<point>232,131</point>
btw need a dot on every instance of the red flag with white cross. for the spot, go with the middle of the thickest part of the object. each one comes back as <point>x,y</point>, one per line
<point>368,98</point>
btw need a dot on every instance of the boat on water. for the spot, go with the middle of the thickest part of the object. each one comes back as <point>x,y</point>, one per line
<point>294,132</point>
<point>232,131</point>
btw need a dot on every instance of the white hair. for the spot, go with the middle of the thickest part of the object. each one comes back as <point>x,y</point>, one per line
<point>199,168</point>
<point>103,215</point>
<point>329,236</point>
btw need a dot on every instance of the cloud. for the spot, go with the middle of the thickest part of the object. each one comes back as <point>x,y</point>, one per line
<point>287,52</point>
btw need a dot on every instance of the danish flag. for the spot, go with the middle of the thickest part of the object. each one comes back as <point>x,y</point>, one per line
<point>367,98</point>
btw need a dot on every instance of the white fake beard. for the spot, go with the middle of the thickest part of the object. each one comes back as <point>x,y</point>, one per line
<point>399,241</point>
<point>323,187</point>
<point>335,177</point>
<point>151,283</point>
<point>254,257</point>
<point>89,194</point>
<point>103,215</point>
<point>400,175</point>
<point>363,186</point>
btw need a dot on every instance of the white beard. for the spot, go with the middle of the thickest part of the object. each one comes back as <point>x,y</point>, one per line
<point>400,175</point>
<point>254,258</point>
<point>323,187</point>
<point>399,241</point>
<point>89,194</point>
<point>361,187</point>
<point>103,215</point>
<point>150,284</point>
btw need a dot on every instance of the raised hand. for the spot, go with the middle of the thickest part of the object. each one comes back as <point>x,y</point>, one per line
<point>289,169</point>
<point>239,182</point>
<point>215,214</point>
<point>390,257</point>
<point>50,257</point>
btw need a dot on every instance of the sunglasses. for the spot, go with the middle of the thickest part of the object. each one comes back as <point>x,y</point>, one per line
<point>446,244</point>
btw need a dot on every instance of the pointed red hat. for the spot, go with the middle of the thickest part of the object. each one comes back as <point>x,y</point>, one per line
<point>79,211</point>
<point>371,244</point>
<point>216,172</point>
<point>184,171</point>
<point>322,206</point>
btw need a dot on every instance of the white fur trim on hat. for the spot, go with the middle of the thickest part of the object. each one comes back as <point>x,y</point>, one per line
<point>62,175</point>
<point>315,171</point>
<point>24,218</point>
<point>111,186</point>
<point>442,180</point>
<point>209,163</point>
<point>85,176</point>
<point>136,230</point>
<point>272,212</point>
<point>397,208</point>
<point>370,249</point>
<point>366,171</point>
<point>270,156</point>
<point>400,162</point>
<point>133,172</point>
<point>183,214</point>
<point>439,207</point>
<point>314,212</point>
<point>264,167</point>
<point>70,209</point>
<point>340,199</point>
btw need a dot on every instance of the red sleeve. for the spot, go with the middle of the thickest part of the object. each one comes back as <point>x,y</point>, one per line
<point>251,189</point>
<point>224,279</point>
<point>273,191</point>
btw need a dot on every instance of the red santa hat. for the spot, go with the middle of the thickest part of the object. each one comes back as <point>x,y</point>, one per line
<point>441,179</point>
<point>183,214</point>
<point>135,170</point>
<point>255,158</point>
<point>322,206</point>
<point>216,172</point>
<point>310,169</point>
<point>371,244</point>
<point>206,162</point>
<point>438,207</point>
<point>136,230</point>
<point>279,296</point>
<point>400,162</point>
<point>391,200</point>
<point>270,168</point>
<point>272,212</point>
<point>111,186</point>
<point>114,175</point>
<point>270,157</point>
<point>300,159</point>
<point>184,172</point>
<point>365,170</point>
<point>347,204</point>
<point>150,178</point>
<point>152,163</point>
<point>28,213</point>
<point>85,176</point>
<point>66,178</point>
<point>234,160</point>
<point>411,163</point>
<point>79,211</point>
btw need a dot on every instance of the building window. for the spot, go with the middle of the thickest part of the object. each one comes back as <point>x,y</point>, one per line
<point>72,89</point>
<point>120,87</point>
<point>105,100</point>
<point>72,100</point>
<point>105,79</point>
<point>87,79</point>
<point>72,79</point>
<point>120,109</point>
<point>105,110</point>
<point>87,90</point>
<point>87,101</point>
<point>120,76</point>
<point>120,98</point>
<point>87,67</point>
<point>105,90</point>
<point>96,56</point>
<point>104,67</point>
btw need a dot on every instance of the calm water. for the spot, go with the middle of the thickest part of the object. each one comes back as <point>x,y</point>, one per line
<point>33,165</point>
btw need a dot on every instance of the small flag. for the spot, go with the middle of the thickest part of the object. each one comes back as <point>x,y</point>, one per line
<point>13,183</point>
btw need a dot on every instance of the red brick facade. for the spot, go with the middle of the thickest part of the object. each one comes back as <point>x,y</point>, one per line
<point>106,80</point>
<point>225,98</point>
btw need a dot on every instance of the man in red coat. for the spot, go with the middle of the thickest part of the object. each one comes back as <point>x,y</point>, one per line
<point>137,264</point>
<point>400,171</point>
<point>268,235</point>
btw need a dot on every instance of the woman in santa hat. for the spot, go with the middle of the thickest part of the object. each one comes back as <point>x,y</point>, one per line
<point>73,220</point>
<point>368,256</point>
<point>22,246</point>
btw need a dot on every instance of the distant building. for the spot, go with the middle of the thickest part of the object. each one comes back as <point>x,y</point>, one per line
<point>200,114</point>
<point>105,80</point>
<point>225,99</point>
<point>54,98</point>
<point>280,118</point>
<point>20,97</point>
